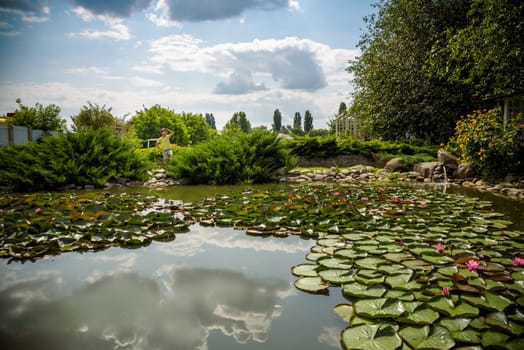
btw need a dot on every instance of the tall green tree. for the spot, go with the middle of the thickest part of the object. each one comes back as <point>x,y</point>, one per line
<point>394,94</point>
<point>487,54</point>
<point>149,121</point>
<point>197,128</point>
<point>41,117</point>
<point>308,122</point>
<point>277,120</point>
<point>238,121</point>
<point>210,120</point>
<point>297,121</point>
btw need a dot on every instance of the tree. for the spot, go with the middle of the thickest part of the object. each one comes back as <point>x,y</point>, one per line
<point>277,120</point>
<point>297,121</point>
<point>38,117</point>
<point>197,128</point>
<point>92,117</point>
<point>394,94</point>
<point>486,54</point>
<point>238,121</point>
<point>308,122</point>
<point>149,121</point>
<point>210,120</point>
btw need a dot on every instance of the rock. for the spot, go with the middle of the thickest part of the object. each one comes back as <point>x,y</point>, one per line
<point>395,164</point>
<point>426,169</point>
<point>464,170</point>
<point>446,158</point>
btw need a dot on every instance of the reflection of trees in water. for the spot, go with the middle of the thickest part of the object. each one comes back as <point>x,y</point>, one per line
<point>128,311</point>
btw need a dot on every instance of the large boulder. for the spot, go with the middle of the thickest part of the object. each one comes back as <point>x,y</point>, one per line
<point>395,164</point>
<point>426,169</point>
<point>448,159</point>
<point>464,171</point>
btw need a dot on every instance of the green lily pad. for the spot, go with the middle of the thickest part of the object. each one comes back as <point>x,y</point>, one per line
<point>493,338</point>
<point>418,313</point>
<point>336,276</point>
<point>335,263</point>
<point>371,337</point>
<point>418,265</point>
<point>436,338</point>
<point>358,290</point>
<point>489,301</point>
<point>305,270</point>
<point>454,307</point>
<point>351,254</point>
<point>313,285</point>
<point>379,308</point>
<point>345,311</point>
<point>369,263</point>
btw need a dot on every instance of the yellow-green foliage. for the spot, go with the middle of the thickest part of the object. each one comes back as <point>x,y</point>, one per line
<point>494,149</point>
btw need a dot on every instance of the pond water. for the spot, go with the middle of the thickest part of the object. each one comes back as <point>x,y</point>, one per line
<point>210,288</point>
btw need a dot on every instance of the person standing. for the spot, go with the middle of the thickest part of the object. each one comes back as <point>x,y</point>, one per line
<point>164,143</point>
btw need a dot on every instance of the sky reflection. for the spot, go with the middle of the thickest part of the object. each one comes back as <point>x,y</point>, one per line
<point>166,296</point>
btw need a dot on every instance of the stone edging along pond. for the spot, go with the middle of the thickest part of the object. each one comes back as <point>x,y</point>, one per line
<point>361,174</point>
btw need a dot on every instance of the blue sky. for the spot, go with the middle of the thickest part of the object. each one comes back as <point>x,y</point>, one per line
<point>198,56</point>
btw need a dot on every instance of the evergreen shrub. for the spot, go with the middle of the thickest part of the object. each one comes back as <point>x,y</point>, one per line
<point>232,158</point>
<point>90,157</point>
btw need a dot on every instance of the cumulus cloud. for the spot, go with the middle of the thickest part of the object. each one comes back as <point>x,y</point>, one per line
<point>204,10</point>
<point>295,64</point>
<point>121,9</point>
<point>238,83</point>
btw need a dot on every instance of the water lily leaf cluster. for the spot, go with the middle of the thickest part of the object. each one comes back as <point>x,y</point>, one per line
<point>36,225</point>
<point>420,270</point>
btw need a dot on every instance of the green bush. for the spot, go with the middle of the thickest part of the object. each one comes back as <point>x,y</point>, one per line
<point>492,148</point>
<point>91,157</point>
<point>331,146</point>
<point>232,159</point>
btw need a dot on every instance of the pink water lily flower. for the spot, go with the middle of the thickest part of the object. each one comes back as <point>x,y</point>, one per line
<point>517,261</point>
<point>395,199</point>
<point>472,265</point>
<point>445,291</point>
<point>423,203</point>
<point>440,247</point>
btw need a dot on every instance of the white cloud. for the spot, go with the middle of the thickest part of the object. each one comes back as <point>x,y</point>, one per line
<point>148,68</point>
<point>117,30</point>
<point>143,82</point>
<point>163,19</point>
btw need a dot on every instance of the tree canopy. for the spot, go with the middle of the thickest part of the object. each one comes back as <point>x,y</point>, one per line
<point>425,63</point>
<point>41,117</point>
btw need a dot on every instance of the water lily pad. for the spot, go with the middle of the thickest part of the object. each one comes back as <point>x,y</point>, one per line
<point>369,263</point>
<point>435,338</point>
<point>358,290</point>
<point>454,307</point>
<point>371,337</point>
<point>489,301</point>
<point>379,308</point>
<point>335,263</point>
<point>398,257</point>
<point>350,253</point>
<point>305,270</point>
<point>313,285</point>
<point>336,276</point>
<point>418,313</point>
<point>418,265</point>
<point>345,311</point>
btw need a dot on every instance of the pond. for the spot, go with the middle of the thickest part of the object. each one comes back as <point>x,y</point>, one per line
<point>208,288</point>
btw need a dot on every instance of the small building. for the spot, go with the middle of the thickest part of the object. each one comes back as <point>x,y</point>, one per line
<point>349,125</point>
